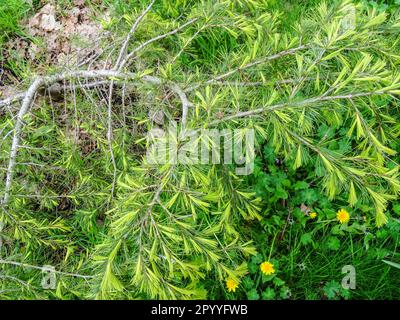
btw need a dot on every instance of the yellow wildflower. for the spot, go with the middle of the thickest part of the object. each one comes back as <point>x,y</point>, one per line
<point>267,268</point>
<point>231,285</point>
<point>313,215</point>
<point>343,216</point>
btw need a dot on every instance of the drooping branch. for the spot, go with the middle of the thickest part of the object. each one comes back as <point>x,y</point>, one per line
<point>109,137</point>
<point>220,77</point>
<point>292,104</point>
<point>26,103</point>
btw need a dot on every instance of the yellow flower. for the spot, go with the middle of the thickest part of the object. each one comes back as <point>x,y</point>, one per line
<point>343,216</point>
<point>267,268</point>
<point>313,215</point>
<point>231,285</point>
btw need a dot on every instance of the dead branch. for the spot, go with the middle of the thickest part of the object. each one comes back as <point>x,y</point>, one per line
<point>68,87</point>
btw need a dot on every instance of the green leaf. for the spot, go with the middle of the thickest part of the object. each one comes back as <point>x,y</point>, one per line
<point>285,293</point>
<point>306,238</point>
<point>393,264</point>
<point>258,258</point>
<point>268,294</point>
<point>253,295</point>
<point>300,185</point>
<point>248,283</point>
<point>253,267</point>
<point>278,282</point>
<point>331,289</point>
<point>333,243</point>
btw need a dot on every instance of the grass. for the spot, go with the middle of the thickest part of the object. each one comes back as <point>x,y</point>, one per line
<point>307,269</point>
<point>308,254</point>
<point>11,14</point>
<point>373,279</point>
<point>292,10</point>
<point>12,11</point>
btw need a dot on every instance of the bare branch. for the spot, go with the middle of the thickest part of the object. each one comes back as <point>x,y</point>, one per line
<point>17,131</point>
<point>130,34</point>
<point>95,84</point>
<point>15,98</point>
<point>145,44</point>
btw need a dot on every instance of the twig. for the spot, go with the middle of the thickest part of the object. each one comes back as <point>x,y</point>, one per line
<point>248,84</point>
<point>17,131</point>
<point>248,65</point>
<point>145,44</point>
<point>130,34</point>
<point>187,43</point>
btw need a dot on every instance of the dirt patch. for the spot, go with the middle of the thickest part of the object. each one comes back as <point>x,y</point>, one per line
<point>69,39</point>
<point>63,37</point>
<point>56,36</point>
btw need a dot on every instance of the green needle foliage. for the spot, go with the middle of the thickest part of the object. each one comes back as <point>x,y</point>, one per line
<point>323,93</point>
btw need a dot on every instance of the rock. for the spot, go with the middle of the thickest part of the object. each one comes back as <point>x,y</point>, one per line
<point>44,20</point>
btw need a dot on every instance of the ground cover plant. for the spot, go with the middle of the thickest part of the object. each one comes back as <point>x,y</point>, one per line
<point>87,88</point>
